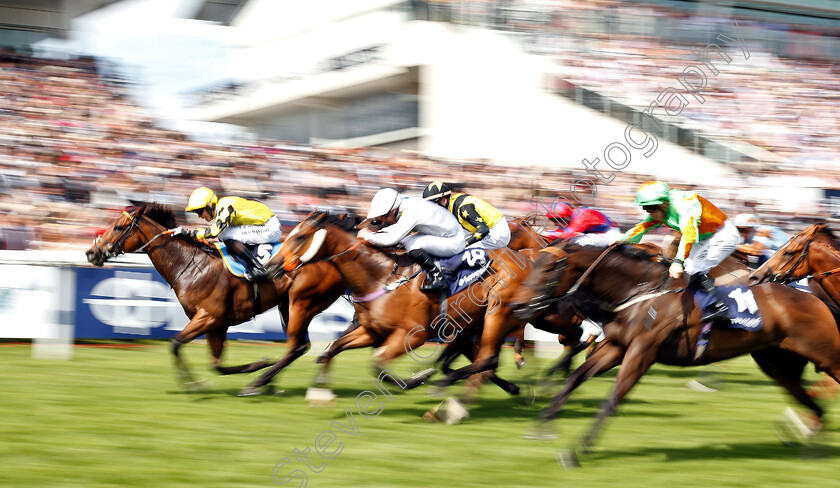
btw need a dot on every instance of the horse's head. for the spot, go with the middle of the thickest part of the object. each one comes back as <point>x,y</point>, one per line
<point>305,243</point>
<point>790,262</point>
<point>126,234</point>
<point>542,284</point>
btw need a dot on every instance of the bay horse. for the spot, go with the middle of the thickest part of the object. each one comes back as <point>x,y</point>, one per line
<point>798,327</point>
<point>393,314</point>
<point>212,297</point>
<point>813,254</point>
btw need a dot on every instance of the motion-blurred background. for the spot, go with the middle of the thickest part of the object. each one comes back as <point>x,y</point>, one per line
<point>317,104</point>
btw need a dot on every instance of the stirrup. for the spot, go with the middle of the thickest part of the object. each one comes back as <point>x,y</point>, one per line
<point>255,274</point>
<point>720,313</point>
<point>434,282</point>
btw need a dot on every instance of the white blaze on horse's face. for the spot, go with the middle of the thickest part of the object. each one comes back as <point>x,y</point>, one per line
<point>314,245</point>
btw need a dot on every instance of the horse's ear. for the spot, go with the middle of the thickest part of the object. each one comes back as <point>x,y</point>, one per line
<point>321,218</point>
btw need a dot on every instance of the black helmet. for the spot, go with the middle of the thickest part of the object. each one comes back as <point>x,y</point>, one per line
<point>435,191</point>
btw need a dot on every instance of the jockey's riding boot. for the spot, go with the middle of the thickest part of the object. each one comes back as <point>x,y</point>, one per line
<point>434,278</point>
<point>257,270</point>
<point>720,311</point>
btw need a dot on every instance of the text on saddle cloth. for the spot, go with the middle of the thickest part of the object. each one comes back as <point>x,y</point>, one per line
<point>464,268</point>
<point>237,266</point>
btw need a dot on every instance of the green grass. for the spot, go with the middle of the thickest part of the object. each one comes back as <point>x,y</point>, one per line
<point>116,417</point>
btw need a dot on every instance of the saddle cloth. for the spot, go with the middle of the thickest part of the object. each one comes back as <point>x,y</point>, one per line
<point>743,311</point>
<point>237,266</point>
<point>464,268</point>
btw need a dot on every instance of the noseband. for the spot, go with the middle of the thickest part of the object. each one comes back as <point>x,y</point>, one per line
<point>117,245</point>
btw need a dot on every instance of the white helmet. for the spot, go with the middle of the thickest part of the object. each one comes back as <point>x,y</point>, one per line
<point>745,220</point>
<point>383,202</point>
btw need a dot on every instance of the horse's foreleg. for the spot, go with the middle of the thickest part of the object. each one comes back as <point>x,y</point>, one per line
<point>602,359</point>
<point>296,346</point>
<point>199,324</point>
<point>356,338</point>
<point>183,370</point>
<point>216,341</point>
<point>639,358</point>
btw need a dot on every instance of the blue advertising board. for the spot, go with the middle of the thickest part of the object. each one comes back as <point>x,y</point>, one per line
<point>134,303</point>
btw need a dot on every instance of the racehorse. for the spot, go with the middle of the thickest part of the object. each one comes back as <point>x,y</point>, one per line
<point>393,314</point>
<point>798,327</point>
<point>813,254</point>
<point>213,298</point>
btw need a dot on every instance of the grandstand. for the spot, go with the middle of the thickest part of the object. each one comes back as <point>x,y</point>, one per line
<point>506,101</point>
<point>25,22</point>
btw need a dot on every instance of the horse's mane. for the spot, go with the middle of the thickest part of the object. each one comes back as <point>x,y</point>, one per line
<point>158,212</point>
<point>822,228</point>
<point>346,221</point>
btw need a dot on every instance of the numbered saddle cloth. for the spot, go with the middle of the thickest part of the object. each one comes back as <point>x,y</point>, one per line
<point>462,269</point>
<point>237,265</point>
<point>743,311</point>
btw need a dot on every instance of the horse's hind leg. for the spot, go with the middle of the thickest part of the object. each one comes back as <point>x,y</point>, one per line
<point>216,341</point>
<point>786,367</point>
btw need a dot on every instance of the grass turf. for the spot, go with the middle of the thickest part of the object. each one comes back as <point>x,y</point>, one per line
<point>114,416</point>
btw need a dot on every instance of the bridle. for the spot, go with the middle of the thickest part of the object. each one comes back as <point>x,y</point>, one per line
<point>786,278</point>
<point>116,247</point>
<point>292,262</point>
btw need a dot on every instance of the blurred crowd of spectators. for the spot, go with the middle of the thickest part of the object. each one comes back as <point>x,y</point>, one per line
<point>630,51</point>
<point>75,149</point>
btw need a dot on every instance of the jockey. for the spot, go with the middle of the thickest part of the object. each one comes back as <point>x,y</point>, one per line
<point>485,226</point>
<point>581,220</point>
<point>235,221</point>
<point>436,232</point>
<point>708,236</point>
<point>759,240</point>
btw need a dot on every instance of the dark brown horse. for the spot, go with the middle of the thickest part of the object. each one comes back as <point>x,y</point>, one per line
<point>813,254</point>
<point>212,297</point>
<point>798,327</point>
<point>399,318</point>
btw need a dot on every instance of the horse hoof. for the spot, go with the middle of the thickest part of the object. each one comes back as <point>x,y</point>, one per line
<point>530,396</point>
<point>793,429</point>
<point>320,397</point>
<point>196,386</point>
<point>541,432</point>
<point>438,392</point>
<point>449,411</point>
<point>321,359</point>
<point>567,459</point>
<point>250,390</point>
<point>697,386</point>
<point>520,363</point>
<point>514,390</point>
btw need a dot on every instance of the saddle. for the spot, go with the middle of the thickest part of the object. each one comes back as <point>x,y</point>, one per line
<point>237,265</point>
